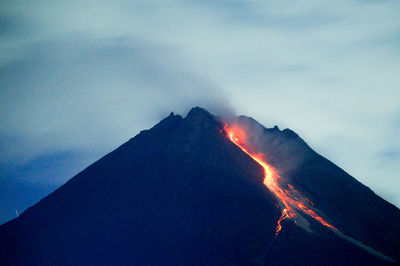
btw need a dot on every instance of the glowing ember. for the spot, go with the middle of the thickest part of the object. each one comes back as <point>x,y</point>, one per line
<point>290,200</point>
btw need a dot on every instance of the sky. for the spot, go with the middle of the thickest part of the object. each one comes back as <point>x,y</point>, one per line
<point>79,78</point>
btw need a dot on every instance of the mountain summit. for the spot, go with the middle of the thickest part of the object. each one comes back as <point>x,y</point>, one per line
<point>184,193</point>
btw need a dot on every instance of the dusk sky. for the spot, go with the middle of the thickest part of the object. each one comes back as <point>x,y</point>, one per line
<point>79,78</point>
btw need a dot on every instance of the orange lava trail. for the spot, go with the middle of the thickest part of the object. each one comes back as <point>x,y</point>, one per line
<point>293,202</point>
<point>283,217</point>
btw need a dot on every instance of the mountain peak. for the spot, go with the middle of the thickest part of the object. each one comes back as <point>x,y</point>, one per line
<point>290,133</point>
<point>201,119</point>
<point>198,112</point>
<point>168,122</point>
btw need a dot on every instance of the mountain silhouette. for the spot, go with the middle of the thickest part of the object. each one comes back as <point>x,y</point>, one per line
<point>182,193</point>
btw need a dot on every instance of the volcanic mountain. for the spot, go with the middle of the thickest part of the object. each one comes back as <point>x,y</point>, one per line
<point>201,190</point>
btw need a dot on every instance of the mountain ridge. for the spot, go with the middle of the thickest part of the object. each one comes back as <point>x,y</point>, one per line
<point>179,192</point>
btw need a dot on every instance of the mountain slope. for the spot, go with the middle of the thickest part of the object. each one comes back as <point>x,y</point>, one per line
<point>352,207</point>
<point>179,193</point>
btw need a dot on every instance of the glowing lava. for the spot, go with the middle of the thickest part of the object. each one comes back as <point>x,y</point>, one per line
<point>293,204</point>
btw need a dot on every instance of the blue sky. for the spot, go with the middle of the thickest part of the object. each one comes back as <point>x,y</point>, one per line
<point>78,78</point>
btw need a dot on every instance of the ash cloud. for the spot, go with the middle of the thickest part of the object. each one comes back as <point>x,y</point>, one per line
<point>102,92</point>
<point>283,149</point>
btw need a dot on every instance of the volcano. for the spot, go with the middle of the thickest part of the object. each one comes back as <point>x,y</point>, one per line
<point>201,190</point>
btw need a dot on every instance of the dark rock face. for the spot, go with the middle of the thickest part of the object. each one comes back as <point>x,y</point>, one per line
<point>182,193</point>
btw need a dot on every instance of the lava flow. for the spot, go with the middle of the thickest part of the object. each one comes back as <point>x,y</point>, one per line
<point>290,200</point>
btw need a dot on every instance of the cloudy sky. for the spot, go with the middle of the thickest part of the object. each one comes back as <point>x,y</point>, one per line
<point>78,78</point>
